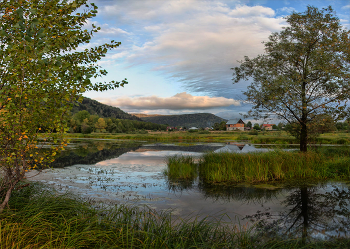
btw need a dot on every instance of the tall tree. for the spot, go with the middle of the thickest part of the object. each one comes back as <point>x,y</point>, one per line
<point>304,72</point>
<point>41,75</point>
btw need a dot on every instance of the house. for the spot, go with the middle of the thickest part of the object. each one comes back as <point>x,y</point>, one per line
<point>266,127</point>
<point>234,124</point>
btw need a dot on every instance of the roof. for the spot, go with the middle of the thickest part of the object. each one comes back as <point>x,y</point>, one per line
<point>235,121</point>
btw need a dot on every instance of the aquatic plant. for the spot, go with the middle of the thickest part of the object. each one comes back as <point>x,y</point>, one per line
<point>231,168</point>
<point>181,167</point>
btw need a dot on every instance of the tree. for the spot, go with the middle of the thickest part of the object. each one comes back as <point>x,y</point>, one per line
<point>249,124</point>
<point>41,76</point>
<point>280,126</point>
<point>100,125</point>
<point>81,115</point>
<point>256,127</point>
<point>303,73</point>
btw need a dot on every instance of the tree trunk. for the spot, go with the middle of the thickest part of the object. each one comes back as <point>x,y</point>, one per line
<point>7,196</point>
<point>303,132</point>
<point>303,138</point>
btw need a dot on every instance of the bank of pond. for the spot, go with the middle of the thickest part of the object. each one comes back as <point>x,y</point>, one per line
<point>39,217</point>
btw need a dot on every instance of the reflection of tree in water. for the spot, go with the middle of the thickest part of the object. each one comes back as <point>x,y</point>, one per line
<point>91,153</point>
<point>247,194</point>
<point>311,212</point>
<point>176,185</point>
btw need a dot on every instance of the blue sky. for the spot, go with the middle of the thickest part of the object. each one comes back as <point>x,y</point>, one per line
<point>177,54</point>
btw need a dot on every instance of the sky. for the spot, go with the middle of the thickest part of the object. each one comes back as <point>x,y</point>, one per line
<point>177,55</point>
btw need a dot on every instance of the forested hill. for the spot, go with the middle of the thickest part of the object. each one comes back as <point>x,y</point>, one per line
<point>200,120</point>
<point>96,108</point>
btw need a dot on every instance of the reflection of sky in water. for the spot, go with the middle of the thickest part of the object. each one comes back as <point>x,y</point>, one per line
<point>146,158</point>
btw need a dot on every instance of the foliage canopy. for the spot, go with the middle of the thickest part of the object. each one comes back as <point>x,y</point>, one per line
<point>41,75</point>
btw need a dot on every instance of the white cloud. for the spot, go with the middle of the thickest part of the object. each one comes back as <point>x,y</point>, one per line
<point>247,11</point>
<point>346,7</point>
<point>287,9</point>
<point>180,101</point>
<point>194,42</point>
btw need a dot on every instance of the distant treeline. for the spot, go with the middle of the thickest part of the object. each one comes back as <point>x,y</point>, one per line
<point>84,122</point>
<point>104,111</point>
<point>199,120</point>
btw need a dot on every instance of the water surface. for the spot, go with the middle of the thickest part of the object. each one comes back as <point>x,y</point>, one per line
<point>133,173</point>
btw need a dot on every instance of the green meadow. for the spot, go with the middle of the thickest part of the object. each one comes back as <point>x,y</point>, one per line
<point>267,137</point>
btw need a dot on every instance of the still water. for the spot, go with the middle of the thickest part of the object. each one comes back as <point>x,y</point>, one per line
<point>116,172</point>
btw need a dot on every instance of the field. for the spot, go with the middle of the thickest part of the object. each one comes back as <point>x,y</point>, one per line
<point>268,137</point>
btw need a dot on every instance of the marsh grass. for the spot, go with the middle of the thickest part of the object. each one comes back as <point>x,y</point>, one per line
<point>181,167</point>
<point>40,218</point>
<point>232,168</point>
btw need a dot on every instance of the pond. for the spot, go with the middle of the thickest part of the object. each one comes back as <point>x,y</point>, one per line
<point>117,172</point>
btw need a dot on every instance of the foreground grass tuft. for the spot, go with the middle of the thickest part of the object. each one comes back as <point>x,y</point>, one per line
<point>39,218</point>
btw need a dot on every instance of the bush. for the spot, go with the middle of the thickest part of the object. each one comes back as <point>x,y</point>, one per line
<point>204,132</point>
<point>192,131</point>
<point>253,132</point>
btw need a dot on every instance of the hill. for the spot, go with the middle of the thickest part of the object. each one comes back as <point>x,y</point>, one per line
<point>185,120</point>
<point>96,108</point>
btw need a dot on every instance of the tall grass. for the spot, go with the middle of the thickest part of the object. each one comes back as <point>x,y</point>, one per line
<point>181,167</point>
<point>230,168</point>
<point>261,167</point>
<point>41,219</point>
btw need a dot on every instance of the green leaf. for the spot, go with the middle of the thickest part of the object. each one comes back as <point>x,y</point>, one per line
<point>33,11</point>
<point>18,24</point>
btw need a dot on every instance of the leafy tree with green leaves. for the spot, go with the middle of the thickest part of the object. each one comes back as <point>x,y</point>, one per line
<point>81,115</point>
<point>249,124</point>
<point>304,72</point>
<point>280,126</point>
<point>41,76</point>
<point>256,127</point>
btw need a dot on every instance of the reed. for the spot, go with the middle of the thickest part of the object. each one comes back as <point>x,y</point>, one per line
<point>40,218</point>
<point>232,168</point>
<point>181,167</point>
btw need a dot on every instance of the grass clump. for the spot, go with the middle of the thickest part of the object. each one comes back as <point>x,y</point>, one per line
<point>232,168</point>
<point>181,167</point>
<point>39,218</point>
<point>261,167</point>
